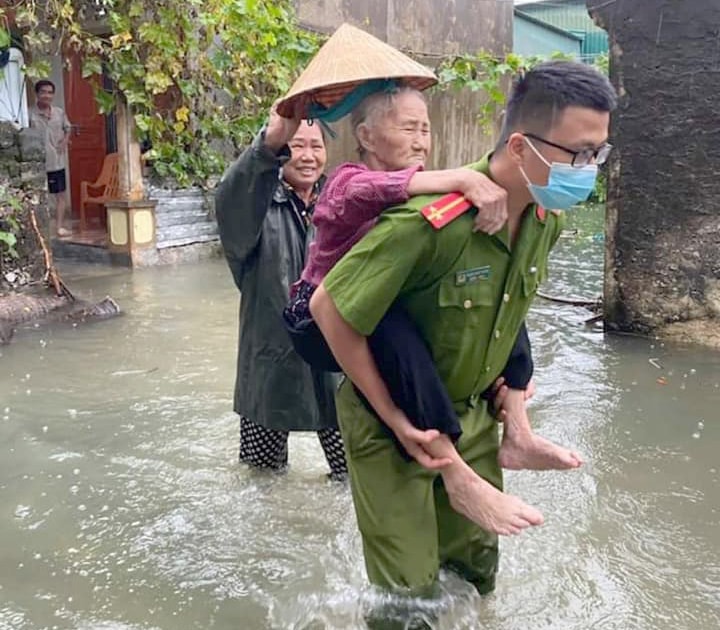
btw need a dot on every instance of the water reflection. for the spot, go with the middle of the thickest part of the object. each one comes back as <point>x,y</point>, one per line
<point>124,508</point>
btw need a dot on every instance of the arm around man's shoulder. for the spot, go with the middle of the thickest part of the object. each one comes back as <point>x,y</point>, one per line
<point>392,258</point>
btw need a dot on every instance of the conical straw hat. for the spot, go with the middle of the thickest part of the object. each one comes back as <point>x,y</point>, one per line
<point>350,57</point>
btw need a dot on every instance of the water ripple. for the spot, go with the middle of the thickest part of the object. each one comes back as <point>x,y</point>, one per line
<point>126,508</point>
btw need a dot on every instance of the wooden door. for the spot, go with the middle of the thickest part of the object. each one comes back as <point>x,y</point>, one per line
<point>88,144</point>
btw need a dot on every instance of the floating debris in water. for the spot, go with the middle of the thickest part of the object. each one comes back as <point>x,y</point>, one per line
<point>22,511</point>
<point>662,380</point>
<point>655,363</point>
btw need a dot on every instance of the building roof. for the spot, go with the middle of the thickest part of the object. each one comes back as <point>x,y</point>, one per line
<point>548,3</point>
<point>550,27</point>
<point>569,15</point>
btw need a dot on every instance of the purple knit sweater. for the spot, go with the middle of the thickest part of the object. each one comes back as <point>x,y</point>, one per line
<point>348,207</point>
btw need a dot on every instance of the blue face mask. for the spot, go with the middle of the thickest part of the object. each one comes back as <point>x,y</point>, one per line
<point>567,185</point>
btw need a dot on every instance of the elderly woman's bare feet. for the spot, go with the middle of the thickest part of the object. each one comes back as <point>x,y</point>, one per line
<point>481,502</point>
<point>536,453</point>
<point>521,449</point>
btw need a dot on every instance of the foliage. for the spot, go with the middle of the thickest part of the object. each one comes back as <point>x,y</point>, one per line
<point>198,75</point>
<point>602,63</point>
<point>10,209</point>
<point>487,73</point>
<point>599,195</point>
<point>4,38</point>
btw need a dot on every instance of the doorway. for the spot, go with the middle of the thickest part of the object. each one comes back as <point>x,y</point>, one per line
<point>93,137</point>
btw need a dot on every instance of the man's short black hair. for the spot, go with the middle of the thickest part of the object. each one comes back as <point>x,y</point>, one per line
<point>543,93</point>
<point>44,83</point>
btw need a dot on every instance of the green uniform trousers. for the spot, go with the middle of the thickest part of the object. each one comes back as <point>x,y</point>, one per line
<point>409,530</point>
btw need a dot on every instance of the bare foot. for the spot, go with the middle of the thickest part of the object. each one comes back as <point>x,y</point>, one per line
<point>63,232</point>
<point>528,451</point>
<point>483,504</point>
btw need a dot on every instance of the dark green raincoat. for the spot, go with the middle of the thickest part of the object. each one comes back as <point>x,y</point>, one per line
<point>264,233</point>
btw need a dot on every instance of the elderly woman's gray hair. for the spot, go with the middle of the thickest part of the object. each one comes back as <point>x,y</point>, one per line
<point>375,107</point>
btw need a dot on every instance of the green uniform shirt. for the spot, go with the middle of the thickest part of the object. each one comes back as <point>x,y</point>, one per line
<point>468,292</point>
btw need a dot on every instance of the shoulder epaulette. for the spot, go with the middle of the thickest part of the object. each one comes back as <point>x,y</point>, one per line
<point>445,209</point>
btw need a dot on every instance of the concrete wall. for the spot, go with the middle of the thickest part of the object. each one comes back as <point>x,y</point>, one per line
<point>182,217</point>
<point>22,177</point>
<point>185,228</point>
<point>429,30</point>
<point>663,218</point>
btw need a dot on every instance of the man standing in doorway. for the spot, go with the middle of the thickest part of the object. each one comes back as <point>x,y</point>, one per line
<point>55,125</point>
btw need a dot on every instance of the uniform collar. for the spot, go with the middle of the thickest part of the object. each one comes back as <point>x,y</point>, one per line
<point>484,167</point>
<point>532,212</point>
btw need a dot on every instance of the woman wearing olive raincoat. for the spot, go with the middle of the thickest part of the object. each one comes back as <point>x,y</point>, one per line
<point>264,204</point>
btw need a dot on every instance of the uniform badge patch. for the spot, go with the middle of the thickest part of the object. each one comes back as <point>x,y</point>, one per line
<point>445,209</point>
<point>471,276</point>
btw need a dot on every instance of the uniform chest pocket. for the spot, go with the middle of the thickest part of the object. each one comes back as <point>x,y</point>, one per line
<point>465,297</point>
<point>532,278</point>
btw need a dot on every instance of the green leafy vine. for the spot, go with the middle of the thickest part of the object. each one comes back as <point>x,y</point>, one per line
<point>199,76</point>
<point>10,227</point>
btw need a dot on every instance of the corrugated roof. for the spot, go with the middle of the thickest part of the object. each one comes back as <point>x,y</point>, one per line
<point>564,14</point>
<point>547,25</point>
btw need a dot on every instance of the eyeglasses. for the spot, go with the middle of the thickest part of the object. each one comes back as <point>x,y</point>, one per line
<point>580,158</point>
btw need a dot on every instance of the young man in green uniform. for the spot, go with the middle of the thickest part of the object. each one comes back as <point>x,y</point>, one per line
<point>468,293</point>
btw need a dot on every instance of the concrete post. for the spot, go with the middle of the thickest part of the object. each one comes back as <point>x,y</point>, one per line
<point>129,162</point>
<point>131,218</point>
<point>663,215</point>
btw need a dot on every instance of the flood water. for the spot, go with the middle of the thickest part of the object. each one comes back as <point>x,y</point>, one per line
<point>123,507</point>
